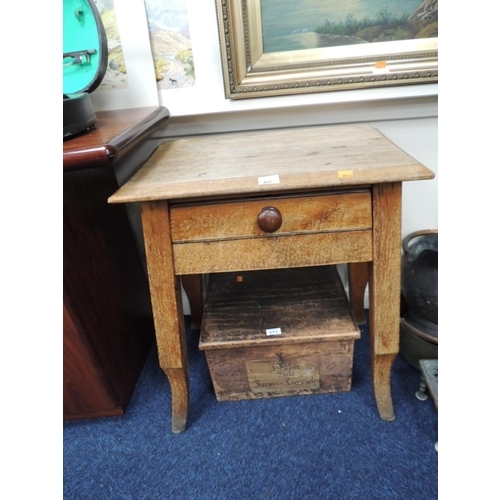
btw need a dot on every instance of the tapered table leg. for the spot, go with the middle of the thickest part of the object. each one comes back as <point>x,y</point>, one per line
<point>385,287</point>
<point>357,276</point>
<point>179,385</point>
<point>166,299</point>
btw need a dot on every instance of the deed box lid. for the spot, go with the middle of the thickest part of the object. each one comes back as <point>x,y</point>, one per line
<point>253,308</point>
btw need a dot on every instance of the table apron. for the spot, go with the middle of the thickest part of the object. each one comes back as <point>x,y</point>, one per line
<point>272,252</point>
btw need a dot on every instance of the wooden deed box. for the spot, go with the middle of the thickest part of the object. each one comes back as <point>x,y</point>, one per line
<point>279,332</point>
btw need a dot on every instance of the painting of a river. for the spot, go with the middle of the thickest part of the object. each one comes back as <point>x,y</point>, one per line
<point>116,74</point>
<point>170,43</point>
<point>305,24</point>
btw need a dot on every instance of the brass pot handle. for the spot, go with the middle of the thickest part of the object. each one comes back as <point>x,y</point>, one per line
<point>411,236</point>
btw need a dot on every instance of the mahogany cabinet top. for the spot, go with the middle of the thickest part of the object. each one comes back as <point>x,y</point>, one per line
<point>115,134</point>
<point>260,162</point>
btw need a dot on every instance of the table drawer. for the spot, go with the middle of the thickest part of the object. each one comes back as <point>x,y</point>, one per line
<point>341,211</point>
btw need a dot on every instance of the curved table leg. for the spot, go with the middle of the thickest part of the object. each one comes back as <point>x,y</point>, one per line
<point>179,384</point>
<point>166,299</point>
<point>385,290</point>
<point>381,377</point>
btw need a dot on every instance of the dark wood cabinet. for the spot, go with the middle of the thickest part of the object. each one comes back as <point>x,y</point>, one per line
<point>107,319</point>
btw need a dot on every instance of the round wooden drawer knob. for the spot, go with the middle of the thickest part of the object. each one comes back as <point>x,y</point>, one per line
<point>269,219</point>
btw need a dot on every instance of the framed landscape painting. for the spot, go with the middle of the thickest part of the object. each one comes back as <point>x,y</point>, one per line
<point>277,47</point>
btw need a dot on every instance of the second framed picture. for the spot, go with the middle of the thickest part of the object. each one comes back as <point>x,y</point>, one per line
<point>280,47</point>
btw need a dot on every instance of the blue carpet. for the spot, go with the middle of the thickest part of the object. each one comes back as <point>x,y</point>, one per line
<point>329,446</point>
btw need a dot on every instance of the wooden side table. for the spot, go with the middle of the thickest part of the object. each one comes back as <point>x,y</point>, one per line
<point>107,318</point>
<point>274,199</point>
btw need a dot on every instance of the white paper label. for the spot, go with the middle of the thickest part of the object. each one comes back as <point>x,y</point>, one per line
<point>273,331</point>
<point>269,179</point>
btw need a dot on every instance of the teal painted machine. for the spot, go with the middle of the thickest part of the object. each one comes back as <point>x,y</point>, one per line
<point>85,60</point>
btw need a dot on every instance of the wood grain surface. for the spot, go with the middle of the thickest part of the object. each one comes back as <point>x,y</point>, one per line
<point>304,158</point>
<point>273,252</point>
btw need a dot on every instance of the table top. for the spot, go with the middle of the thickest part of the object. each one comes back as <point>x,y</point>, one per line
<point>266,161</point>
<point>115,133</point>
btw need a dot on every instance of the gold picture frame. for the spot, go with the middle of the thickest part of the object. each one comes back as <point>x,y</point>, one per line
<point>249,71</point>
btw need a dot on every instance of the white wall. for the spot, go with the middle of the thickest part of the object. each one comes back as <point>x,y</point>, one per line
<point>418,136</point>
<point>407,115</point>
